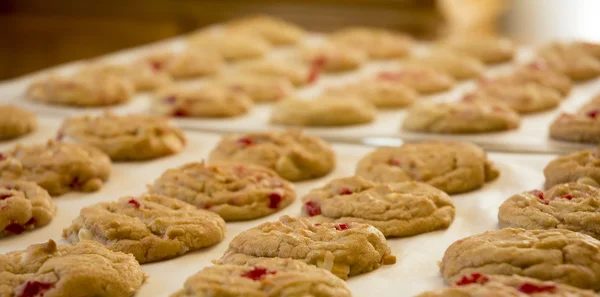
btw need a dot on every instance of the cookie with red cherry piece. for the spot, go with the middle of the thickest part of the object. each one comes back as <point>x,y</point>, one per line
<point>144,76</point>
<point>468,116</point>
<point>541,73</point>
<point>421,78</point>
<point>87,269</point>
<point>236,192</point>
<point>582,167</point>
<point>56,166</point>
<point>185,64</point>
<point>275,30</point>
<point>23,206</point>
<point>331,57</point>
<point>377,43</point>
<point>324,111</point>
<point>382,93</point>
<point>557,255</point>
<point>487,49</point>
<point>202,101</point>
<point>292,154</point>
<point>396,209</point>
<point>276,277</point>
<point>453,167</point>
<point>581,126</point>
<point>16,122</point>
<point>259,87</point>
<point>150,227</point>
<point>522,97</point>
<point>457,65</point>
<point>477,284</point>
<point>571,60</point>
<point>344,249</point>
<point>571,206</point>
<point>125,137</point>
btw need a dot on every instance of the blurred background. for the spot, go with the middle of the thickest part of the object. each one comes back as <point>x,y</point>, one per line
<point>40,33</point>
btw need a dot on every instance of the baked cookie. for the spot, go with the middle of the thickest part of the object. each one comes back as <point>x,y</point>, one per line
<point>325,111</point>
<point>582,167</point>
<point>87,269</point>
<point>186,64</point>
<point>150,227</point>
<point>453,167</point>
<point>591,48</point>
<point>144,76</point>
<point>570,206</point>
<point>24,206</point>
<point>481,285</point>
<point>577,127</point>
<point>382,93</point>
<point>331,57</point>
<point>522,97</point>
<point>592,107</point>
<point>297,73</point>
<point>276,31</point>
<point>292,154</point>
<point>81,91</point>
<point>462,117</point>
<point>235,192</point>
<point>56,166</point>
<point>204,101</point>
<point>487,49</point>
<point>396,209</point>
<point>274,277</point>
<point>260,88</point>
<point>540,72</point>
<point>16,122</point>
<point>570,60</point>
<point>558,255</point>
<point>377,43</point>
<point>344,249</point>
<point>230,45</point>
<point>127,137</point>
<point>457,65</point>
<point>423,79</point>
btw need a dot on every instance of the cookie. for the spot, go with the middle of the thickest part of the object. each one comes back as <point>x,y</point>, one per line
<point>577,127</point>
<point>260,88</point>
<point>87,270</point>
<point>127,137</point>
<point>453,167</point>
<point>294,155</point>
<point>16,122</point>
<point>570,206</point>
<point>81,91</point>
<point>235,192</point>
<point>331,57</point>
<point>522,97</point>
<point>24,206</point>
<point>457,65</point>
<point>344,249</point>
<point>143,75</point>
<point>230,45</point>
<point>462,117</point>
<point>186,64</point>
<point>582,167</point>
<point>297,73</point>
<point>266,277</point>
<point>396,209</point>
<point>570,60</point>
<point>150,227</point>
<point>480,285</point>
<point>327,110</point>
<point>56,166</point>
<point>377,43</point>
<point>204,101</point>
<point>591,48</point>
<point>540,72</point>
<point>423,79</point>
<point>382,93</point>
<point>558,255</point>
<point>487,49</point>
<point>591,108</point>
<point>275,30</point>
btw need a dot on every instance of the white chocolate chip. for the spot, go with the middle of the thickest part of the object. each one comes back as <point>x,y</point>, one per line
<point>85,234</point>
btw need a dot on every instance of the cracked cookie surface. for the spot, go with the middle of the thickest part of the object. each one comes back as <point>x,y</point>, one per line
<point>150,227</point>
<point>330,57</point>
<point>396,209</point>
<point>556,255</point>
<point>457,65</point>
<point>24,206</point>
<point>324,111</point>
<point>298,73</point>
<point>489,50</point>
<point>538,72</point>
<point>231,46</point>
<point>421,78</point>
<point>87,269</point>
<point>344,249</point>
<point>275,277</point>
<point>185,64</point>
<point>16,122</point>
<point>260,88</point>
<point>522,97</point>
<point>571,60</point>
<point>275,30</point>
<point>582,166</point>
<point>125,137</point>
<point>234,191</point>
<point>143,76</point>
<point>292,154</point>
<point>377,43</point>
<point>56,166</point>
<point>382,93</point>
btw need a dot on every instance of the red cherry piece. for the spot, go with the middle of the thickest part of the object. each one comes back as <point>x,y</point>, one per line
<point>537,193</point>
<point>497,108</point>
<point>387,75</point>
<point>274,200</point>
<point>258,273</point>
<point>31,221</point>
<point>475,278</point>
<point>314,74</point>
<point>60,135</point>
<point>246,141</point>
<point>528,288</point>
<point>567,196</point>
<point>35,289</point>
<point>14,228</point>
<point>345,191</point>
<point>170,99</point>
<point>593,113</point>
<point>134,202</point>
<point>5,196</point>
<point>75,182</point>
<point>180,113</point>
<point>156,66</point>
<point>319,61</point>
<point>341,227</point>
<point>394,162</point>
<point>538,65</point>
<point>313,208</point>
<point>317,224</point>
<point>3,157</point>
